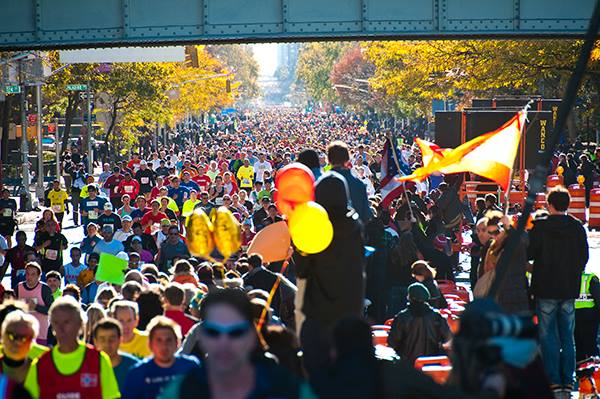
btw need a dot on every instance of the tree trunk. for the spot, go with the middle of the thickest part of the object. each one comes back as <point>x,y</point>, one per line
<point>72,105</point>
<point>113,121</point>
<point>5,125</point>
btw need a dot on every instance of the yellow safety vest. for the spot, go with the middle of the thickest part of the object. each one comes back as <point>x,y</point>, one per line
<point>585,300</point>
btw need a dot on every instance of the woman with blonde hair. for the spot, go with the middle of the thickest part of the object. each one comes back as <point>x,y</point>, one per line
<point>95,312</point>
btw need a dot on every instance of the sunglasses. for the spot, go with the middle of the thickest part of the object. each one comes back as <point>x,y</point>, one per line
<point>19,338</point>
<point>215,330</point>
<point>494,232</point>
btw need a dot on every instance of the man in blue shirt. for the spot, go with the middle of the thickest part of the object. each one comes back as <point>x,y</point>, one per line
<point>188,183</point>
<point>107,337</point>
<point>108,245</point>
<point>338,156</point>
<point>91,207</point>
<point>178,193</point>
<point>148,379</point>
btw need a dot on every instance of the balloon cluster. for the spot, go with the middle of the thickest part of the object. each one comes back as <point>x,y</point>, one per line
<point>203,234</point>
<point>309,224</point>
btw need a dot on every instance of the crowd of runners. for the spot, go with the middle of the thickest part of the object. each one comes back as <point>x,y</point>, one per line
<point>183,326</point>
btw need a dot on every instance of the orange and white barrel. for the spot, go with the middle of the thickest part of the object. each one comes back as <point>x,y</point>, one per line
<point>577,206</point>
<point>540,201</point>
<point>594,221</point>
<point>554,180</point>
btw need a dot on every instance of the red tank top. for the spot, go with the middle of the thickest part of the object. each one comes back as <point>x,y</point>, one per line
<point>83,384</point>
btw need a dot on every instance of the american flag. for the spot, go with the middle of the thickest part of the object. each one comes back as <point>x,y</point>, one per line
<point>390,187</point>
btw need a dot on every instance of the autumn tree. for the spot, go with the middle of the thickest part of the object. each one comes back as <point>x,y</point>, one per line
<point>349,76</point>
<point>239,59</point>
<point>315,63</point>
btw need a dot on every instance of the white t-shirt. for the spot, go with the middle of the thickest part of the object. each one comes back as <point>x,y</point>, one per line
<point>72,272</point>
<point>260,168</point>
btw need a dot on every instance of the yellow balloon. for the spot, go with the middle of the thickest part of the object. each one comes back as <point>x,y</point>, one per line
<point>310,228</point>
<point>228,235</point>
<point>199,233</point>
<point>580,179</point>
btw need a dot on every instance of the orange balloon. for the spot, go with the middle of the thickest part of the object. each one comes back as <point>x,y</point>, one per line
<point>284,207</point>
<point>272,242</point>
<point>295,184</point>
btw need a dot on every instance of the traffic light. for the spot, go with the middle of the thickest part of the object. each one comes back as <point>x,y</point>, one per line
<point>228,86</point>
<point>191,57</point>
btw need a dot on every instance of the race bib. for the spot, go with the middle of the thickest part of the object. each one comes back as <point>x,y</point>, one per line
<point>128,189</point>
<point>7,212</point>
<point>246,182</point>
<point>93,204</point>
<point>56,208</point>
<point>219,201</point>
<point>145,180</point>
<point>51,254</point>
<point>92,215</point>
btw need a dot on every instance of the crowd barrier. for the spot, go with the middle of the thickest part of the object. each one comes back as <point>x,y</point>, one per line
<point>577,206</point>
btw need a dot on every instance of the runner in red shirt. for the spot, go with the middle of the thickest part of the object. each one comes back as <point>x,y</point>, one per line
<point>155,192</point>
<point>112,184</point>
<point>154,216</point>
<point>129,186</point>
<point>202,179</point>
<point>134,164</point>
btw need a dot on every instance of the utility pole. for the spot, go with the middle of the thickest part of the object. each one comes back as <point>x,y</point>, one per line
<point>155,137</point>
<point>89,129</point>
<point>25,195</point>
<point>39,192</point>
<point>57,149</point>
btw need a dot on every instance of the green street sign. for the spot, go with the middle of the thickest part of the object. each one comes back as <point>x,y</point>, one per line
<point>76,87</point>
<point>14,89</point>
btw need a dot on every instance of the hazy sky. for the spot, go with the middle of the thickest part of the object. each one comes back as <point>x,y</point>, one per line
<point>266,56</point>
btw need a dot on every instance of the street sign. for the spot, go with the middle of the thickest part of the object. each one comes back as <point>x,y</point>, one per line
<point>76,87</point>
<point>14,89</point>
<point>51,128</point>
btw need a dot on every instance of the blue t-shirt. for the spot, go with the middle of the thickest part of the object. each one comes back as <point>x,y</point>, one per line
<point>182,193</point>
<point>88,244</point>
<point>112,247</point>
<point>127,362</point>
<point>146,380</point>
<point>88,293</point>
<point>95,206</point>
<point>72,272</point>
<point>190,185</point>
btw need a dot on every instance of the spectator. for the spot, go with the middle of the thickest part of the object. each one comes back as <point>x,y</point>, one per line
<point>418,330</point>
<point>559,249</point>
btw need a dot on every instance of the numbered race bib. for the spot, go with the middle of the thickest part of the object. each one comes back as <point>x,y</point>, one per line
<point>51,254</point>
<point>92,204</point>
<point>145,180</point>
<point>128,189</point>
<point>7,212</point>
<point>219,201</point>
<point>155,227</point>
<point>57,208</point>
<point>92,215</point>
<point>246,182</point>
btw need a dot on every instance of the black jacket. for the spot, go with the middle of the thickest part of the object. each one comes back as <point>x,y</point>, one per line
<point>559,249</point>
<point>335,278</point>
<point>417,331</point>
